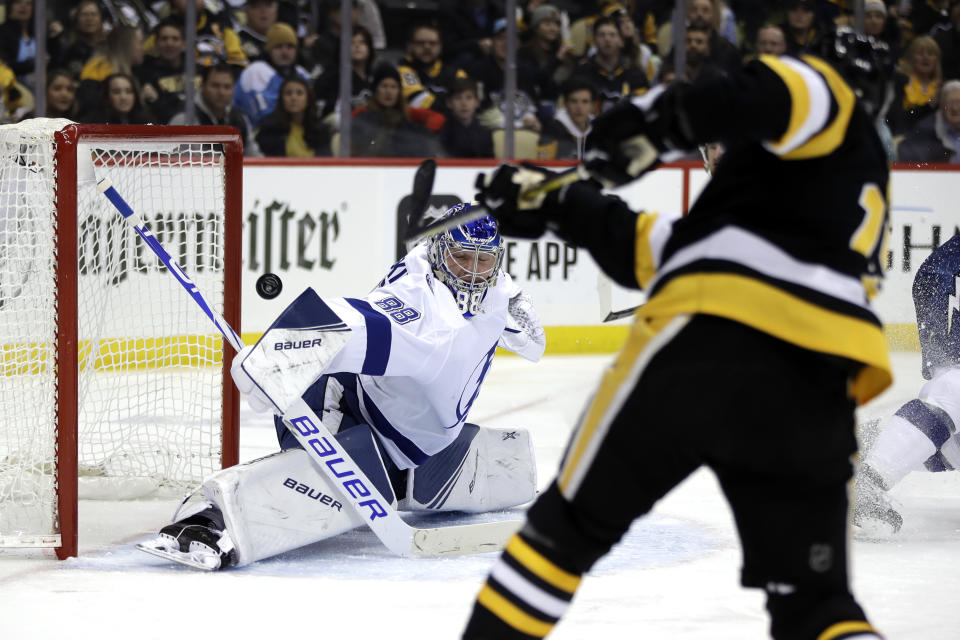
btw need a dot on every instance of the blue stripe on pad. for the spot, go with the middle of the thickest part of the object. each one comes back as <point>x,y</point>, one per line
<point>432,477</point>
<point>448,489</point>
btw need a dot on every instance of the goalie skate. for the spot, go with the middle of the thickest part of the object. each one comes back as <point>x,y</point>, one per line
<point>196,542</point>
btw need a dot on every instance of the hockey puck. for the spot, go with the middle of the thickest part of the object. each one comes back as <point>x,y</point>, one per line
<point>269,286</point>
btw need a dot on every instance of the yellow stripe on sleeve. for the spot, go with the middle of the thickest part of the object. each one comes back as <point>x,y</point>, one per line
<point>871,230</point>
<point>799,97</point>
<point>543,568</point>
<point>512,614</point>
<point>841,628</point>
<point>644,266</point>
<point>826,142</point>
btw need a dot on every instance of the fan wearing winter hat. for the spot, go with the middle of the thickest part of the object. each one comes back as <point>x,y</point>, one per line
<point>877,22</point>
<point>547,54</point>
<point>259,85</point>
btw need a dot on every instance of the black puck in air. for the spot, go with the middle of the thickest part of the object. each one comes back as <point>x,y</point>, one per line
<point>269,286</point>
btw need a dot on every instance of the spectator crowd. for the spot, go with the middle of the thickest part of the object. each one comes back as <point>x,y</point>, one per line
<point>430,81</point>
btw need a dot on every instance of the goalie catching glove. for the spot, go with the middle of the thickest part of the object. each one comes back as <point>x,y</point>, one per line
<point>635,135</point>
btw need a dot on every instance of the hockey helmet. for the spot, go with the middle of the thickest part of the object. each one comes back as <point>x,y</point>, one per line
<point>467,259</point>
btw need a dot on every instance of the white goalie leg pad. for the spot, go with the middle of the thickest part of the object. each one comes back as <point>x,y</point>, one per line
<point>899,449</point>
<point>277,504</point>
<point>943,392</point>
<point>483,470</point>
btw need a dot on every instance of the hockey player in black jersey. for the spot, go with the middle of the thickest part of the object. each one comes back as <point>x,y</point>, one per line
<point>758,304</point>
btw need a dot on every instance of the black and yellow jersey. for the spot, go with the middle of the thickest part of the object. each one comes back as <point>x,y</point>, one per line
<point>426,86</point>
<point>625,80</point>
<point>787,236</point>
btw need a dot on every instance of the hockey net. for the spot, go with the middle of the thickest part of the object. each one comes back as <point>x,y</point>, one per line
<point>111,379</point>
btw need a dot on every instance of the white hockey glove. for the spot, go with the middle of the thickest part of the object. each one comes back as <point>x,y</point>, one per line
<point>524,334</point>
<point>257,399</point>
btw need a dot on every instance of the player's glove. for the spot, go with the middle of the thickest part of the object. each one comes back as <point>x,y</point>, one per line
<point>635,135</point>
<point>520,212</point>
<point>523,210</point>
<point>257,399</point>
<point>501,193</point>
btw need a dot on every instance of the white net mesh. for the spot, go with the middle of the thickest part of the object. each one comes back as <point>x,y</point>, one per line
<point>150,374</point>
<point>27,332</point>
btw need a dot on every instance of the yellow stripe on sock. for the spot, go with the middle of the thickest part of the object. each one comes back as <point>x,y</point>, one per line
<point>850,626</point>
<point>543,568</point>
<point>511,614</point>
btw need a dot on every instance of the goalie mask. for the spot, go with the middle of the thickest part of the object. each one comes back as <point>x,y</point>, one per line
<point>467,259</point>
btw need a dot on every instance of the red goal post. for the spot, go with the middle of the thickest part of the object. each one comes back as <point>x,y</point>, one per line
<point>110,378</point>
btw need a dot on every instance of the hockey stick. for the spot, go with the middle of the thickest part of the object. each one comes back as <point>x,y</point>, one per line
<point>419,232</point>
<point>333,462</point>
<point>623,313</point>
<point>420,197</point>
<point>422,188</point>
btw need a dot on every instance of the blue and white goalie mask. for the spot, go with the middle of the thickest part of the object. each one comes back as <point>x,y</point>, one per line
<point>467,259</point>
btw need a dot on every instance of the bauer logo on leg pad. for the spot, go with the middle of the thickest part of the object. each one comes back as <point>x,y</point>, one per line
<point>353,485</point>
<point>313,494</point>
<point>297,344</point>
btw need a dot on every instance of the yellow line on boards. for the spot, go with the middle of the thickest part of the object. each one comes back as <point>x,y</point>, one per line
<point>610,338</point>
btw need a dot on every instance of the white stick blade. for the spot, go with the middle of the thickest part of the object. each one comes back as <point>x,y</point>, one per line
<point>86,173</point>
<point>463,540</point>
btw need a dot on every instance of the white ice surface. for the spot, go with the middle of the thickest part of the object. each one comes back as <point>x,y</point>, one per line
<point>674,576</point>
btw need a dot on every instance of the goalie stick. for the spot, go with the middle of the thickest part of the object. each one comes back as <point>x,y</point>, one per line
<point>324,451</point>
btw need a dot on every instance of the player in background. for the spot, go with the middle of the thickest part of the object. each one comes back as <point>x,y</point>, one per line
<point>923,432</point>
<point>758,308</point>
<point>396,396</point>
<point>711,153</point>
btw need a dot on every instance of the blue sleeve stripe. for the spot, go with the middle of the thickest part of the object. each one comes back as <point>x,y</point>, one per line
<point>379,338</point>
<point>931,421</point>
<point>387,430</point>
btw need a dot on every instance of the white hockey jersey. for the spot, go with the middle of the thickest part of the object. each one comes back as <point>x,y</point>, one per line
<point>420,362</point>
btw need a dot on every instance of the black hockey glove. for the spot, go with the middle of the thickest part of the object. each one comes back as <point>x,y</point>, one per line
<point>563,206</point>
<point>635,135</point>
<point>501,193</point>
